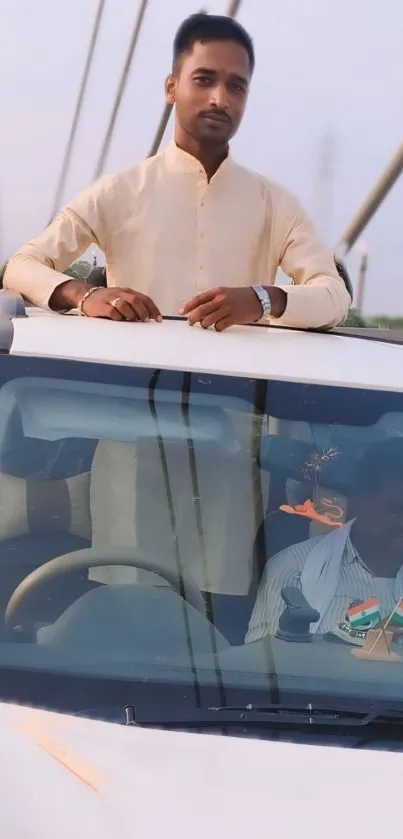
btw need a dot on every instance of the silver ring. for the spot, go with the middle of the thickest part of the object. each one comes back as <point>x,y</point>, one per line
<point>115,303</point>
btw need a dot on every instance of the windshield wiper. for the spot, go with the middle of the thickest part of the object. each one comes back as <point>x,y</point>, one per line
<point>371,718</point>
<point>255,715</point>
<point>311,715</point>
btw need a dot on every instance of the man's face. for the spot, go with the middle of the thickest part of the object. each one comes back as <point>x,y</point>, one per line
<point>210,90</point>
<point>381,516</point>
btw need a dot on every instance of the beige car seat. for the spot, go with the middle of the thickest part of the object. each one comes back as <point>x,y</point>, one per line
<point>202,521</point>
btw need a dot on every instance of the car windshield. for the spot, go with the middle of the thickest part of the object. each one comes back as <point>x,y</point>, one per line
<point>220,539</point>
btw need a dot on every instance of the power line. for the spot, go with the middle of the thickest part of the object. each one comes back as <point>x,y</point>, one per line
<point>121,88</point>
<point>232,11</point>
<point>77,113</point>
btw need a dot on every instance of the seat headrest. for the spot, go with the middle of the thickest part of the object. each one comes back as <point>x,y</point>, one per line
<point>54,409</point>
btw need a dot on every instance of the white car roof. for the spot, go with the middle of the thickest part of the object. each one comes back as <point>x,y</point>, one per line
<point>252,352</point>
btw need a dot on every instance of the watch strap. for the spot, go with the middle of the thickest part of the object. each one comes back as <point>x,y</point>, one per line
<point>264,299</point>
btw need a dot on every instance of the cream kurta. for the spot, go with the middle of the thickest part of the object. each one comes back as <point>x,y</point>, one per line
<point>165,231</point>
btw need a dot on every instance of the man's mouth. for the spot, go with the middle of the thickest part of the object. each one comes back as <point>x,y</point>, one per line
<point>221,119</point>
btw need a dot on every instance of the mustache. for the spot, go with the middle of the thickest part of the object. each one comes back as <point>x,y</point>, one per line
<point>216,112</point>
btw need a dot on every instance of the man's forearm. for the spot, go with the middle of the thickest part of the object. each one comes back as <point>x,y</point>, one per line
<point>37,270</point>
<point>29,275</point>
<point>278,300</point>
<point>67,295</point>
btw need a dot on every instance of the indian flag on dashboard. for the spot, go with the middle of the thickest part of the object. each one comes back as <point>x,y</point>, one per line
<point>364,613</point>
<point>397,614</point>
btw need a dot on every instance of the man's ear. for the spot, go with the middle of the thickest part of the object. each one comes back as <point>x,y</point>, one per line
<point>170,89</point>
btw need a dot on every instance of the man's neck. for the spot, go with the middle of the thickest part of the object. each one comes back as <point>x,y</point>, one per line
<point>210,157</point>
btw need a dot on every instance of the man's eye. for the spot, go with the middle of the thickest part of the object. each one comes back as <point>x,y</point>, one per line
<point>202,80</point>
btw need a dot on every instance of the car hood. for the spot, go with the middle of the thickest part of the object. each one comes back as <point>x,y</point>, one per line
<point>62,776</point>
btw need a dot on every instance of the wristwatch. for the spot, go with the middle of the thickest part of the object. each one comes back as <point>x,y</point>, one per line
<point>264,298</point>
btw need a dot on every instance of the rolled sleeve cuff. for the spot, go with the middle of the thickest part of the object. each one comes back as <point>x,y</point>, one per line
<point>33,280</point>
<point>322,305</point>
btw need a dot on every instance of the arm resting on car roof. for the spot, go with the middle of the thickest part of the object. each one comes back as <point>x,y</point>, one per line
<point>318,297</point>
<point>36,271</point>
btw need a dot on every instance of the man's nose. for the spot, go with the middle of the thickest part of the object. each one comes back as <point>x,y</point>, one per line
<point>219,97</point>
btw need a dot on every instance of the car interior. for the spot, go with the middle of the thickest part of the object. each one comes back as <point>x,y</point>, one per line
<point>95,482</point>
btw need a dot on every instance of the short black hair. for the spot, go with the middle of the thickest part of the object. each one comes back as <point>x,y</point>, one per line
<point>381,462</point>
<point>204,27</point>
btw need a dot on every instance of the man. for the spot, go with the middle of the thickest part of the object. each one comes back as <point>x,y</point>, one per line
<point>189,231</point>
<point>361,561</point>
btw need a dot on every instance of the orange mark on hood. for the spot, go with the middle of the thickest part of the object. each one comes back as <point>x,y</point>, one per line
<point>76,765</point>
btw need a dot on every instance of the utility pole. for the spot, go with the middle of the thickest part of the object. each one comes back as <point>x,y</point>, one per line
<point>233,8</point>
<point>362,277</point>
<point>372,202</point>
<point>366,212</point>
<point>323,194</point>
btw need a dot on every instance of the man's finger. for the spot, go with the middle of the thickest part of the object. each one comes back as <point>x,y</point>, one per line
<point>213,318</point>
<point>153,310</point>
<point>204,311</point>
<point>134,299</point>
<point>112,313</point>
<point>198,300</point>
<point>141,310</point>
<point>224,323</point>
<point>123,308</point>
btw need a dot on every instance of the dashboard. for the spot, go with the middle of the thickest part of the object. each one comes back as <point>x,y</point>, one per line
<point>150,632</point>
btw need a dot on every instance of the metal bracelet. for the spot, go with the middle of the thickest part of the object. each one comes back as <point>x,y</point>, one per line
<point>84,298</point>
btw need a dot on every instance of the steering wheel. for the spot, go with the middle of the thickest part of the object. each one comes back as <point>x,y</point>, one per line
<point>83,560</point>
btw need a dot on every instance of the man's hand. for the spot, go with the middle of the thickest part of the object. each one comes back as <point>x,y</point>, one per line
<point>120,304</point>
<point>223,307</point>
<point>111,303</point>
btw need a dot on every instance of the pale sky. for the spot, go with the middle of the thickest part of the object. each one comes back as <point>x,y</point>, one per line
<point>322,66</point>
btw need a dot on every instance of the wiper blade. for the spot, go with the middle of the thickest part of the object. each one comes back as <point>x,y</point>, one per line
<point>311,715</point>
<point>250,715</point>
<point>255,715</point>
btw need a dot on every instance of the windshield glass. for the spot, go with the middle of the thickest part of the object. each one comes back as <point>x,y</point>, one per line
<point>228,539</point>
